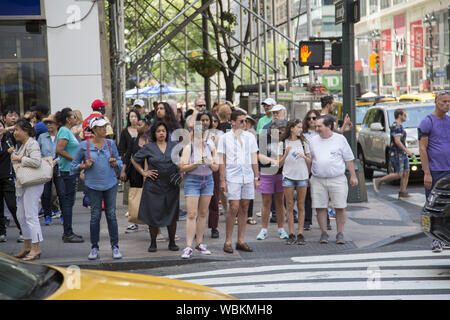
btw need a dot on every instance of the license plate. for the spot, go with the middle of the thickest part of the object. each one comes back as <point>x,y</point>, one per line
<point>426,223</point>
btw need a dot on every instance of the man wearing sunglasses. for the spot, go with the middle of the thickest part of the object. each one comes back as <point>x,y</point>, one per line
<point>239,176</point>
<point>199,106</point>
<point>267,104</point>
<point>434,147</point>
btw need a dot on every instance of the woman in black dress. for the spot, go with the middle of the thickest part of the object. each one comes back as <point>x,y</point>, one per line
<point>160,201</point>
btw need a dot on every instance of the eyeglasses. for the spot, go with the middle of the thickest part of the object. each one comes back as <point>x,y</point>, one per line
<point>441,93</point>
<point>242,121</point>
<point>201,105</point>
<point>311,118</point>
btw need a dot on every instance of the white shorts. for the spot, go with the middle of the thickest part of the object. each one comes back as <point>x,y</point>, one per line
<point>323,189</point>
<point>239,191</point>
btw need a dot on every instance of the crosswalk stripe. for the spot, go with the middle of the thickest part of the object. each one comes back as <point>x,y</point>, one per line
<point>371,256</point>
<point>257,270</point>
<point>325,275</point>
<point>335,286</point>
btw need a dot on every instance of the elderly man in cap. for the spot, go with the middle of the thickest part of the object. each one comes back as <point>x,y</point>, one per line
<point>268,104</point>
<point>139,105</point>
<point>98,109</point>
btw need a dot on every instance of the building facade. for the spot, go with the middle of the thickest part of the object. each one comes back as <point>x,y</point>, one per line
<point>50,53</point>
<point>400,31</point>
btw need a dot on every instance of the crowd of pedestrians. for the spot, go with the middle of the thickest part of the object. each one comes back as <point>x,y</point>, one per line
<point>221,158</point>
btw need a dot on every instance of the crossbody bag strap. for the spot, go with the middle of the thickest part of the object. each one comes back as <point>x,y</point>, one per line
<point>109,147</point>
<point>87,144</point>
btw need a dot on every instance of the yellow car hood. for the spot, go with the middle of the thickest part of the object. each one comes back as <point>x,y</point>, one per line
<point>108,285</point>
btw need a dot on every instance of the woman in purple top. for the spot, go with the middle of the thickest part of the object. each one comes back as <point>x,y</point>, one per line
<point>198,161</point>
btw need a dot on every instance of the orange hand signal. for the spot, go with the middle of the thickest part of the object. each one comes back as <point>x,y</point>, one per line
<point>305,53</point>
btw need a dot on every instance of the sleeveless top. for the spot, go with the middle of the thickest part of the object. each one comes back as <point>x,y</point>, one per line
<point>196,155</point>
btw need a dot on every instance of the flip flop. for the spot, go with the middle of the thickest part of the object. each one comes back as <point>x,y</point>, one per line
<point>251,221</point>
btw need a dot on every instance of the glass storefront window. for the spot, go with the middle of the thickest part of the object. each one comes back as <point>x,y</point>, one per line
<point>23,67</point>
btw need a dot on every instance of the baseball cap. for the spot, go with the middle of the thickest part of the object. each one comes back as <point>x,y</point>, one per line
<point>278,107</point>
<point>97,122</point>
<point>139,102</point>
<point>97,104</point>
<point>270,101</point>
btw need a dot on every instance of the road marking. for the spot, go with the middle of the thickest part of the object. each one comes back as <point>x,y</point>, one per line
<point>386,297</point>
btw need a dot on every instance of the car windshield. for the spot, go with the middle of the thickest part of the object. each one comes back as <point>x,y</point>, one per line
<point>360,113</point>
<point>19,280</point>
<point>415,115</point>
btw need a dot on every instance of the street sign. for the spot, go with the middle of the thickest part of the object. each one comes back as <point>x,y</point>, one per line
<point>311,53</point>
<point>339,10</point>
<point>429,59</point>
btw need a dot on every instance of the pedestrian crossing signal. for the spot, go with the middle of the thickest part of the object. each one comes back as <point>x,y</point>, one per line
<point>311,53</point>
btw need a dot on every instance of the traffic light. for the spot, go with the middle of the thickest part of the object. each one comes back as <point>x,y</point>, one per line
<point>374,60</point>
<point>377,60</point>
<point>311,53</point>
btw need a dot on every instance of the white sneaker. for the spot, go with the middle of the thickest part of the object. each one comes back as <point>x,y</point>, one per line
<point>202,248</point>
<point>132,228</point>
<point>93,255</point>
<point>187,253</point>
<point>259,214</point>
<point>3,238</point>
<point>116,253</point>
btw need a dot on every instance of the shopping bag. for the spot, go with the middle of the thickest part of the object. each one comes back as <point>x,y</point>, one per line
<point>134,200</point>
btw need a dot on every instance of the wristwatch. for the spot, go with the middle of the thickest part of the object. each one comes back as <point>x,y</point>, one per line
<point>257,178</point>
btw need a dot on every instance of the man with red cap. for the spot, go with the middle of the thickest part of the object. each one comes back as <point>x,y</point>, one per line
<point>98,107</point>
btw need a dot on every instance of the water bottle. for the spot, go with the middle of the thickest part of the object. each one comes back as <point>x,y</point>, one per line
<point>414,159</point>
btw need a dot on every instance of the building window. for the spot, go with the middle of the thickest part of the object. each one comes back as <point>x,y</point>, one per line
<point>416,77</point>
<point>385,4</point>
<point>23,67</point>
<point>373,6</point>
<point>363,10</point>
<point>398,1</point>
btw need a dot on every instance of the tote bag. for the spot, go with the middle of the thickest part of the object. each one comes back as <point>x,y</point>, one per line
<point>134,201</point>
<point>28,176</point>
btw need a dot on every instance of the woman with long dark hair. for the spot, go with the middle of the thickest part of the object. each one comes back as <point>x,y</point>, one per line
<point>129,132</point>
<point>129,172</point>
<point>165,114</point>
<point>294,157</point>
<point>160,201</point>
<point>65,182</point>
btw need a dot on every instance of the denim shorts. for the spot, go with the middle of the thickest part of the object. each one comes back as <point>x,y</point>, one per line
<point>196,186</point>
<point>294,183</point>
<point>400,162</point>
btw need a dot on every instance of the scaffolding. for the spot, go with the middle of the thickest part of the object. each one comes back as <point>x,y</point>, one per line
<point>236,34</point>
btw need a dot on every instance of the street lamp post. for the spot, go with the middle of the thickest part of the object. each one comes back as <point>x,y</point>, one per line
<point>429,19</point>
<point>376,35</point>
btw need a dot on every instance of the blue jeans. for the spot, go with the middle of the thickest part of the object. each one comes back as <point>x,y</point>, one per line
<point>66,187</point>
<point>435,175</point>
<point>109,197</point>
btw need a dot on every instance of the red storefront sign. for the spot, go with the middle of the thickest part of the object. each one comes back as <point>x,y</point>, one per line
<point>400,39</point>
<point>386,45</point>
<point>416,32</point>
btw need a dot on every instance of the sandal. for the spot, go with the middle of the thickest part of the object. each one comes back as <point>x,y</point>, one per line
<point>251,221</point>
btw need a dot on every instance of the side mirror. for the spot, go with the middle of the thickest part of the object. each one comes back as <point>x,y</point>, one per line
<point>376,126</point>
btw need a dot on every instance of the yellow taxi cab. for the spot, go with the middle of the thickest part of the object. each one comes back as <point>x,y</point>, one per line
<point>31,281</point>
<point>418,97</point>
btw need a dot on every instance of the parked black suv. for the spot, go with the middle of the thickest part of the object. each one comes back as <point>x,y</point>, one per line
<point>436,212</point>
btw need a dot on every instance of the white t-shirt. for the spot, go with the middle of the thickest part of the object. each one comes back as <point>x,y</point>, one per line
<point>309,135</point>
<point>294,169</point>
<point>329,156</point>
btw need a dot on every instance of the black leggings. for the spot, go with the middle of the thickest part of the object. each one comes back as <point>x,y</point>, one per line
<point>171,229</point>
<point>8,194</point>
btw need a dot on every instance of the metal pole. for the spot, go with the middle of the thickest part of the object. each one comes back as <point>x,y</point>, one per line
<point>241,29</point>
<point>250,21</point>
<point>258,44</point>
<point>266,69</point>
<point>310,34</point>
<point>378,69</point>
<point>206,47</point>
<point>275,48</point>
<point>431,56</point>
<point>185,64</point>
<point>160,56</point>
<point>290,49</point>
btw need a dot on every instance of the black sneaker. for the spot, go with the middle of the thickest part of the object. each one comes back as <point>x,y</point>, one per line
<point>73,238</point>
<point>301,239</point>
<point>290,240</point>
<point>214,233</point>
<point>273,219</point>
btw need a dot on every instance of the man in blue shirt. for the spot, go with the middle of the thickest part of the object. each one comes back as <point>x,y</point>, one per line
<point>39,112</point>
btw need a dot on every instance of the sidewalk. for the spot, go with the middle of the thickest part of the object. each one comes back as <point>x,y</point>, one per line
<point>369,224</point>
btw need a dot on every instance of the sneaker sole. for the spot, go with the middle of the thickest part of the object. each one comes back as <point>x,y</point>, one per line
<point>323,241</point>
<point>340,241</point>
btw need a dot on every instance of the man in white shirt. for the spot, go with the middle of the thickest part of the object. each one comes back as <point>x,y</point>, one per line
<point>330,154</point>
<point>238,167</point>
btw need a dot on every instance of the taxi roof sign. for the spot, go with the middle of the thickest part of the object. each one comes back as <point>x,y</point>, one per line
<point>312,53</point>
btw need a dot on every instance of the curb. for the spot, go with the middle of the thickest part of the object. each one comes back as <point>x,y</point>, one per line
<point>396,239</point>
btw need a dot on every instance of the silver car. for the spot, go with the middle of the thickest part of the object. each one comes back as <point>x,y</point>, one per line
<point>374,136</point>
